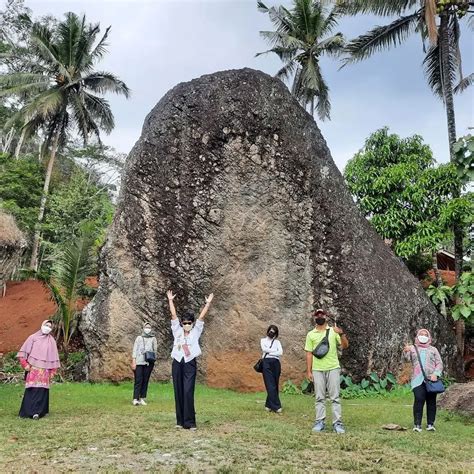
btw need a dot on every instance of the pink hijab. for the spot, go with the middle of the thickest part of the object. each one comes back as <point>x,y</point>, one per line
<point>418,343</point>
<point>40,350</point>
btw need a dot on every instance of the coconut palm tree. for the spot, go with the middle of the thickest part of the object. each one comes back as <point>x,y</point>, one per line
<point>302,35</point>
<point>436,21</point>
<point>64,91</point>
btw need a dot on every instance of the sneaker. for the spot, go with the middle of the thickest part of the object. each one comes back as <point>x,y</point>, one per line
<point>430,428</point>
<point>279,411</point>
<point>267,409</point>
<point>135,402</point>
<point>193,428</point>
<point>417,428</point>
<point>179,427</point>
<point>318,427</point>
<point>142,402</point>
<point>339,427</point>
<point>36,417</point>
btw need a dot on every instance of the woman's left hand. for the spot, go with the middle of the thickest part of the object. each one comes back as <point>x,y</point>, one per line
<point>434,378</point>
<point>209,298</point>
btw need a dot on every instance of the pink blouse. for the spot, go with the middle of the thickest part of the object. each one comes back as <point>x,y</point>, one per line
<point>37,377</point>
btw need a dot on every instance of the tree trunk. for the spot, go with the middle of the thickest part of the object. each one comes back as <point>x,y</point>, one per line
<point>444,47</point>
<point>439,281</point>
<point>49,171</point>
<point>20,143</point>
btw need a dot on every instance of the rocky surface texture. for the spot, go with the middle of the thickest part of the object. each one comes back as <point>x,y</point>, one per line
<point>459,397</point>
<point>232,189</point>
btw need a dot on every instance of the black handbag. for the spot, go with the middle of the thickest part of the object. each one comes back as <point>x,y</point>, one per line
<point>258,367</point>
<point>323,347</point>
<point>150,356</point>
<point>431,387</point>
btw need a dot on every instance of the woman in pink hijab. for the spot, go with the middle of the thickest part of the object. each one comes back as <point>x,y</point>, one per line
<point>40,359</point>
<point>422,353</point>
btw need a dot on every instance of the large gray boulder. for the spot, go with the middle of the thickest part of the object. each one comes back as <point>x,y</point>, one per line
<point>232,189</point>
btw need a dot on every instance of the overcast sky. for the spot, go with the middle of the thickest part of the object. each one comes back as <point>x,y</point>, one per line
<point>155,44</point>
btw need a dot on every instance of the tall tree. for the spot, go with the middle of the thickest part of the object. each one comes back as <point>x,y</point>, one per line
<point>442,63</point>
<point>64,91</point>
<point>302,36</point>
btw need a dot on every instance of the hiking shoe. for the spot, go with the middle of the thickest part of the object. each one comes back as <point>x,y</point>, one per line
<point>430,428</point>
<point>36,417</point>
<point>318,427</point>
<point>417,428</point>
<point>135,402</point>
<point>142,402</point>
<point>339,427</point>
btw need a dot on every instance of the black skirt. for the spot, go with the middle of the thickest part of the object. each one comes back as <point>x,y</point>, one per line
<point>35,402</point>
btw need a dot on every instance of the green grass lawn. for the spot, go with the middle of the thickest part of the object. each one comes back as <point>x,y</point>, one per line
<point>95,428</point>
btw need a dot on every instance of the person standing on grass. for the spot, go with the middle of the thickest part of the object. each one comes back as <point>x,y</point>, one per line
<point>40,358</point>
<point>325,371</point>
<point>272,351</point>
<point>422,353</point>
<point>143,361</point>
<point>186,334</point>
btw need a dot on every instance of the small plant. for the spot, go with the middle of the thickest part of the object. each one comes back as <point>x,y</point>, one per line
<point>371,386</point>
<point>9,364</point>
<point>290,388</point>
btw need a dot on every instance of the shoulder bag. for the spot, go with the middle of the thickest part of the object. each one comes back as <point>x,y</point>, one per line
<point>150,356</point>
<point>258,367</point>
<point>323,347</point>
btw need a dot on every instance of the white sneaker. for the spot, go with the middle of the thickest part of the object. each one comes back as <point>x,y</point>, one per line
<point>279,411</point>
<point>417,428</point>
<point>267,409</point>
<point>142,402</point>
<point>178,427</point>
<point>35,417</point>
<point>135,402</point>
<point>430,428</point>
<point>193,428</point>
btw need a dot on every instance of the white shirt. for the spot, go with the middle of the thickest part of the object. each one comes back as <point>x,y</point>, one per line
<point>273,352</point>
<point>192,340</point>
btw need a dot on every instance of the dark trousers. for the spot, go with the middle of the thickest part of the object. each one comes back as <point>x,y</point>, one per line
<point>142,377</point>
<point>184,382</point>
<point>271,377</point>
<point>422,396</point>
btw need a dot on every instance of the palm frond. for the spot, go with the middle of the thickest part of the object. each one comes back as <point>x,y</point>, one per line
<point>464,84</point>
<point>333,46</point>
<point>18,83</point>
<point>103,82</point>
<point>100,111</point>
<point>380,38</point>
<point>376,7</point>
<point>287,71</point>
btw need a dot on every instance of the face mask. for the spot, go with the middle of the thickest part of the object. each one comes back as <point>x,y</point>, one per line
<point>46,329</point>
<point>423,339</point>
<point>187,327</point>
<point>271,334</point>
<point>320,321</point>
<point>147,330</point>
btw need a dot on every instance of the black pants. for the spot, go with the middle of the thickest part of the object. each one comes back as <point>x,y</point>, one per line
<point>184,382</point>
<point>35,402</point>
<point>142,377</point>
<point>422,396</point>
<point>271,377</point>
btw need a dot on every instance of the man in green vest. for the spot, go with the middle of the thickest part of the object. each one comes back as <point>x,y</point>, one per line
<point>325,369</point>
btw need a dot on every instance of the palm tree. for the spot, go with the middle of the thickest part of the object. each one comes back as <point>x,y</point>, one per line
<point>442,63</point>
<point>64,91</point>
<point>300,38</point>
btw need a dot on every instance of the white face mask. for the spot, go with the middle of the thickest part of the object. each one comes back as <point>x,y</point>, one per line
<point>423,339</point>
<point>187,327</point>
<point>46,329</point>
<point>147,330</point>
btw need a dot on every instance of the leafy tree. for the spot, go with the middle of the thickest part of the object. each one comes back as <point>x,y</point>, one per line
<point>21,182</point>
<point>442,63</point>
<point>64,92</point>
<point>405,196</point>
<point>302,36</point>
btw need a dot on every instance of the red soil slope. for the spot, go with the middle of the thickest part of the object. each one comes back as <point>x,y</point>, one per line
<point>25,306</point>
